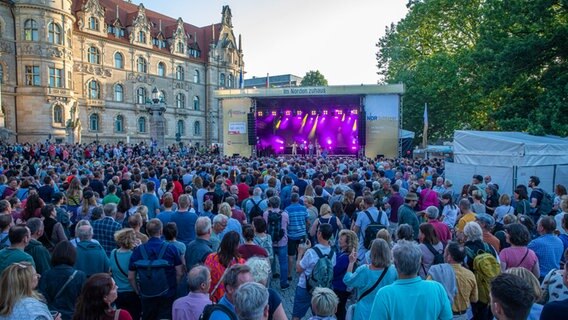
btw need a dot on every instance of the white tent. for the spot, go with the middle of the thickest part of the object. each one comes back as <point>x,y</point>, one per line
<point>509,157</point>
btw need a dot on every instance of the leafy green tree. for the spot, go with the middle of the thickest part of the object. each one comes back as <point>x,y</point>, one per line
<point>313,79</point>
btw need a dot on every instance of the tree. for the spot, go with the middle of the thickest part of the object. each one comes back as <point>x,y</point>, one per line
<point>313,79</point>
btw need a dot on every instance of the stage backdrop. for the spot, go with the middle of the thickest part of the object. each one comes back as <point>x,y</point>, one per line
<point>235,133</point>
<point>383,115</point>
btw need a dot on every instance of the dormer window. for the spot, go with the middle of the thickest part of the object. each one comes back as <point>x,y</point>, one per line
<point>142,37</point>
<point>94,23</point>
<point>194,53</point>
<point>180,47</point>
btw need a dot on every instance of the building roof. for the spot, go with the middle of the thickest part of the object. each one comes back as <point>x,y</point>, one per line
<point>127,13</point>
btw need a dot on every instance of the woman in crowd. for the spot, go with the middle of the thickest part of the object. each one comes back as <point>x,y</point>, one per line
<point>260,269</point>
<point>337,210</point>
<point>167,209</point>
<point>449,211</point>
<point>32,208</point>
<point>501,234</point>
<point>518,255</point>
<point>61,285</point>
<point>96,299</point>
<point>368,279</point>
<point>404,232</point>
<point>559,217</point>
<point>312,210</point>
<point>502,210</point>
<point>492,200</point>
<point>217,262</point>
<point>74,196</point>
<point>553,287</point>
<point>123,206</point>
<point>530,278</point>
<point>528,222</point>
<point>18,298</point>
<point>349,204</point>
<point>162,188</point>
<point>250,248</point>
<point>88,204</point>
<point>261,238</point>
<point>347,243</point>
<point>53,230</point>
<point>326,217</point>
<point>478,206</point>
<point>559,192</point>
<point>429,244</point>
<point>522,204</point>
<point>232,224</point>
<point>119,259</point>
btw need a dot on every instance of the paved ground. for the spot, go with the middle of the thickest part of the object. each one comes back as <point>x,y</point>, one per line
<point>288,295</point>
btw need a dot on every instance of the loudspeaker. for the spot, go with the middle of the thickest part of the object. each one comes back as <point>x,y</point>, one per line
<point>251,128</point>
<point>362,128</point>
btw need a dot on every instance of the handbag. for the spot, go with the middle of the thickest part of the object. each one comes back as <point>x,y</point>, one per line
<point>350,314</point>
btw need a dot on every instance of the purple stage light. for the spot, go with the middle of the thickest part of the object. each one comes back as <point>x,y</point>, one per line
<point>288,113</point>
<point>328,141</point>
<point>325,112</point>
<point>273,113</point>
<point>260,113</point>
<point>339,112</point>
<point>299,112</point>
<point>314,112</point>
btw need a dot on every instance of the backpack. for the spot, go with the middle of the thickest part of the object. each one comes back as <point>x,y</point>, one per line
<point>255,211</point>
<point>546,203</point>
<point>210,308</point>
<point>438,257</point>
<point>485,269</point>
<point>151,276</point>
<point>4,242</point>
<point>322,274</point>
<point>275,226</point>
<point>372,229</point>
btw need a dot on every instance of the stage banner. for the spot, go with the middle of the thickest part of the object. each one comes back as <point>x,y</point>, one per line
<point>382,125</point>
<point>235,139</point>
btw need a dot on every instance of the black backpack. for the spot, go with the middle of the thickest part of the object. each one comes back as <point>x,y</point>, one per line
<point>210,308</point>
<point>151,277</point>
<point>275,225</point>
<point>438,257</point>
<point>255,211</point>
<point>372,229</point>
<point>546,203</point>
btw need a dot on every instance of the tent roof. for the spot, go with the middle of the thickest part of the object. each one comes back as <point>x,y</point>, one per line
<point>508,149</point>
<point>406,134</point>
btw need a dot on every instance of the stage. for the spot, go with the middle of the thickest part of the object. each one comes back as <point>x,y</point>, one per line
<point>321,121</point>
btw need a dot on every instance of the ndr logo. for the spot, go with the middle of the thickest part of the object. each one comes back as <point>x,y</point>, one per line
<point>372,117</point>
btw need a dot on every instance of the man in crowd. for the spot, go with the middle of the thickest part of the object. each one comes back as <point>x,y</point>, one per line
<point>428,298</point>
<point>251,302</point>
<point>395,202</point>
<point>219,225</point>
<point>111,196</point>
<point>191,306</point>
<point>307,259</point>
<point>91,257</point>
<point>511,297</point>
<point>35,248</point>
<point>466,214</point>
<point>198,249</point>
<point>235,276</point>
<point>487,222</point>
<point>548,247</point>
<point>279,238</point>
<point>185,219</point>
<point>442,229</point>
<point>298,221</point>
<point>363,222</point>
<point>465,280</point>
<point>150,200</point>
<point>6,223</point>
<point>159,307</point>
<point>19,237</point>
<point>104,228</point>
<point>407,215</point>
<point>255,200</point>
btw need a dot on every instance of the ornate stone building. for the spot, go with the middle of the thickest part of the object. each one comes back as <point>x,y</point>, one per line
<point>82,70</point>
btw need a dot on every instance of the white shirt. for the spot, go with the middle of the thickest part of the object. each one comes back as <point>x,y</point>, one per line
<point>309,261</point>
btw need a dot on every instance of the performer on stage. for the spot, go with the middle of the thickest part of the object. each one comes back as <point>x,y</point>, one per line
<point>318,150</point>
<point>303,148</point>
<point>311,148</point>
<point>294,148</point>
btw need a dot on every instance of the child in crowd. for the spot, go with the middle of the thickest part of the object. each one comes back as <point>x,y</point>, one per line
<point>324,304</point>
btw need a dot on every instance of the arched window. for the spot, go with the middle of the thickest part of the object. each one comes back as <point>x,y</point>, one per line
<point>141,36</point>
<point>54,33</point>
<point>180,100</point>
<point>161,69</point>
<point>142,65</point>
<point>118,60</point>
<point>196,105</point>
<point>58,114</point>
<point>180,73</point>
<point>222,80</point>
<point>93,55</point>
<point>30,30</point>
<point>142,125</point>
<point>119,123</point>
<point>94,23</point>
<point>163,96</point>
<point>94,90</point>
<point>141,95</point>
<point>180,47</point>
<point>230,81</point>
<point>94,122</point>
<point>196,76</point>
<point>118,93</point>
<point>181,127</point>
<point>197,128</point>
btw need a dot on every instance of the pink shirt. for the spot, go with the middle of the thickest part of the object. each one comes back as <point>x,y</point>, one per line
<point>284,241</point>
<point>442,231</point>
<point>428,197</point>
<point>513,257</point>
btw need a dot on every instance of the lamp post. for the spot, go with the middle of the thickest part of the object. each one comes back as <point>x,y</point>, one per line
<point>156,109</point>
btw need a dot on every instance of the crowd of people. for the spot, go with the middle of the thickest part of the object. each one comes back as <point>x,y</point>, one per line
<point>127,232</point>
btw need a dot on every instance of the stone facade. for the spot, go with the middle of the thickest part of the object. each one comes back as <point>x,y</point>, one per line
<point>82,70</point>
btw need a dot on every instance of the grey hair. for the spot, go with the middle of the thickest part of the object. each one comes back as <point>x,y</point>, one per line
<point>325,301</point>
<point>404,232</point>
<point>85,232</point>
<point>220,218</point>
<point>251,299</point>
<point>432,212</point>
<point>196,277</point>
<point>34,224</point>
<point>380,253</point>
<point>260,269</point>
<point>473,231</point>
<point>185,201</point>
<point>465,204</point>
<point>407,257</point>
<point>428,183</point>
<point>202,226</point>
<point>257,192</point>
<point>110,209</point>
<point>274,202</point>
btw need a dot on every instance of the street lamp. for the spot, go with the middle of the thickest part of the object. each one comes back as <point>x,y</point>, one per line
<point>155,95</point>
<point>156,109</point>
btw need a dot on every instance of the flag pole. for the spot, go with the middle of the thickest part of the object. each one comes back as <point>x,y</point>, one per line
<point>425,130</point>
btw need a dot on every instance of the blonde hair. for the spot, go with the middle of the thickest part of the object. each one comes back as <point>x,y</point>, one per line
<point>564,203</point>
<point>504,199</point>
<point>16,283</point>
<point>381,255</point>
<point>529,278</point>
<point>309,191</point>
<point>260,269</point>
<point>225,209</point>
<point>125,238</point>
<point>143,211</point>
<point>324,302</point>
<point>385,235</point>
<point>325,209</point>
<point>309,200</point>
<point>350,239</point>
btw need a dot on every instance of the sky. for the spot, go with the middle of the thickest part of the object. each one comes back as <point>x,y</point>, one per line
<point>336,37</point>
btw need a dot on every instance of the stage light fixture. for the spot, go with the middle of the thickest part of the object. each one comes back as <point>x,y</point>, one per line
<point>325,112</point>
<point>299,112</point>
<point>339,112</point>
<point>288,113</point>
<point>260,113</point>
<point>354,111</point>
<point>314,112</point>
<point>274,113</point>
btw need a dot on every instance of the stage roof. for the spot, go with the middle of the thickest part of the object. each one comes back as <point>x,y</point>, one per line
<point>297,92</point>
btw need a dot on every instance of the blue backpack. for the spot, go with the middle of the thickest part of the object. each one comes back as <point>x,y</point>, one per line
<point>151,277</point>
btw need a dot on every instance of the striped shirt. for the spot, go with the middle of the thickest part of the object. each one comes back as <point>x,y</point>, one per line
<point>297,215</point>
